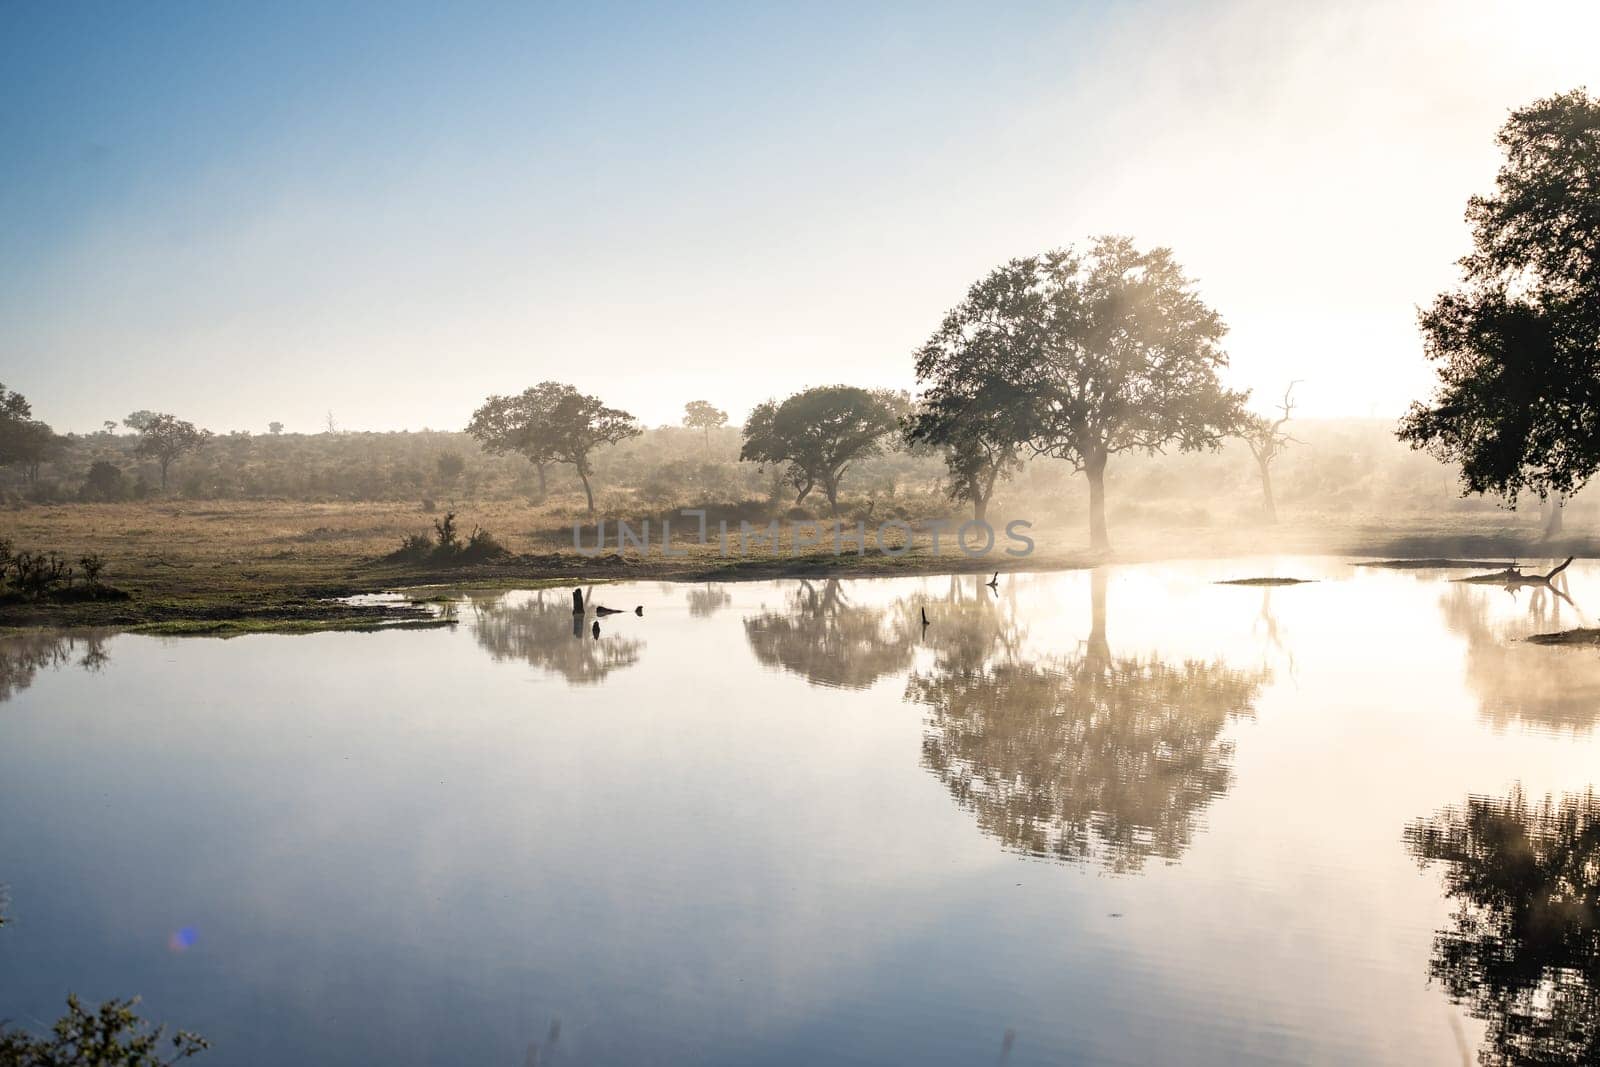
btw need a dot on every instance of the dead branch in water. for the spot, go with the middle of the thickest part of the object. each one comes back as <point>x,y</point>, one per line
<point>1512,577</point>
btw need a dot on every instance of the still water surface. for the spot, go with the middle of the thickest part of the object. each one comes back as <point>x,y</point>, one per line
<point>1121,816</point>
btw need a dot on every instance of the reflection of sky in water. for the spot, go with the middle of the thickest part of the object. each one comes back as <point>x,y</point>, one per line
<point>425,846</point>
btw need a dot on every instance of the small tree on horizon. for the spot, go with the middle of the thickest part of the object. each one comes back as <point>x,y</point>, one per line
<point>701,415</point>
<point>165,438</point>
<point>274,428</point>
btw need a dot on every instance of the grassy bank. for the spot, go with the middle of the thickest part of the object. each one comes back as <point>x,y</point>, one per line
<point>234,567</point>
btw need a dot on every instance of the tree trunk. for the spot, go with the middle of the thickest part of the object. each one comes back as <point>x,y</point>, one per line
<point>830,486</point>
<point>1268,505</point>
<point>1096,470</point>
<point>164,474</point>
<point>587,492</point>
<point>540,468</point>
<point>1553,506</point>
<point>980,499</point>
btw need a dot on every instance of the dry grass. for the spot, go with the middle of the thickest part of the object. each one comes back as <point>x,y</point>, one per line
<point>209,560</point>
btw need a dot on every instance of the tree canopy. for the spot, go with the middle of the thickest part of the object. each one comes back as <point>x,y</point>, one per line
<point>1082,355</point>
<point>1517,345</point>
<point>166,437</point>
<point>23,439</point>
<point>703,416</point>
<point>552,423</point>
<point>975,422</point>
<point>818,434</point>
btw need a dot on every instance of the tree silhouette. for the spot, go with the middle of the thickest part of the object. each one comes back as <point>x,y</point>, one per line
<point>701,415</point>
<point>975,420</point>
<point>1517,348</point>
<point>24,440</point>
<point>1085,757</point>
<point>1267,439</point>
<point>1083,356</point>
<point>818,434</point>
<point>552,423</point>
<point>166,438</point>
<point>1522,951</point>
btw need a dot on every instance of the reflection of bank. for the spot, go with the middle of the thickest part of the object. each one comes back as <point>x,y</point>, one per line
<point>24,655</point>
<point>1088,756</point>
<point>706,602</point>
<point>1517,682</point>
<point>540,628</point>
<point>1522,950</point>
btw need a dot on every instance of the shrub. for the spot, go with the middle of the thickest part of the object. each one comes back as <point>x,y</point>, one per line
<point>37,574</point>
<point>414,546</point>
<point>92,565</point>
<point>447,547</point>
<point>104,483</point>
<point>481,546</point>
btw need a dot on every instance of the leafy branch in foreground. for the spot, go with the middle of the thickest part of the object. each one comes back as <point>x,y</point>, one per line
<point>112,1036</point>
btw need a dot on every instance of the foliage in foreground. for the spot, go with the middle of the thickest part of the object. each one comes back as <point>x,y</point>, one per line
<point>1517,346</point>
<point>112,1036</point>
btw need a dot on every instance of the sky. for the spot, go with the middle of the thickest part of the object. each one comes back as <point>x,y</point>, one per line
<point>244,213</point>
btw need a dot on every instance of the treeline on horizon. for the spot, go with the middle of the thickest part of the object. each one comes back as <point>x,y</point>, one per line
<point>1051,366</point>
<point>1344,467</point>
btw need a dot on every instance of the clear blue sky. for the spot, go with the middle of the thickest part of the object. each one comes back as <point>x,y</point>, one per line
<point>243,213</point>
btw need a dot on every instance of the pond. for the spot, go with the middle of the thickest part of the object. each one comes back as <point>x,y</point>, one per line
<point>1127,815</point>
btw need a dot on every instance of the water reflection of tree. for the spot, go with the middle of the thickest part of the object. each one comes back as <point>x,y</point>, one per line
<point>24,655</point>
<point>1084,757</point>
<point>1522,951</point>
<point>829,641</point>
<point>1552,688</point>
<point>704,603</point>
<point>543,631</point>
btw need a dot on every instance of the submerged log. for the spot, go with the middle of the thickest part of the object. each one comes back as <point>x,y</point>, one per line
<point>1512,577</point>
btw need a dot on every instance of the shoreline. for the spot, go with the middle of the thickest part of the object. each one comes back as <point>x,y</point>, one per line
<point>239,600</point>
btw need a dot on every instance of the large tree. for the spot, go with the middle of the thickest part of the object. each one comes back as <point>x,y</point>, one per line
<point>519,424</point>
<point>24,440</point>
<point>165,438</point>
<point>1084,355</point>
<point>703,416</point>
<point>1517,345</point>
<point>552,423</point>
<point>818,434</point>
